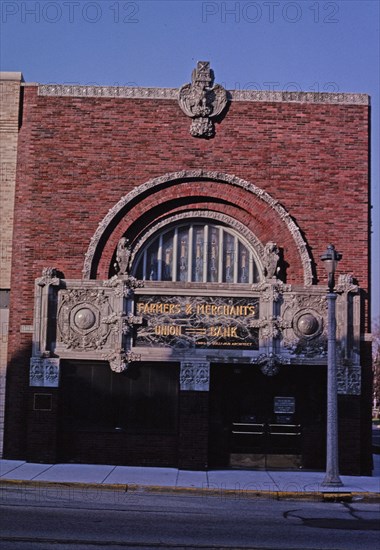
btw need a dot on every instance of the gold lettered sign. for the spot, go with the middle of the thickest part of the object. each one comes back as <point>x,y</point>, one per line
<point>197,322</point>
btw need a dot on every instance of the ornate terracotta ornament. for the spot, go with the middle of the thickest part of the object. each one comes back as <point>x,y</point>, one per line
<point>119,360</point>
<point>123,256</point>
<point>202,101</point>
<point>270,260</point>
<point>270,363</point>
<point>307,324</point>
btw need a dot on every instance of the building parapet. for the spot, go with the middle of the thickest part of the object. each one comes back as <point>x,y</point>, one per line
<point>131,92</point>
<point>13,76</point>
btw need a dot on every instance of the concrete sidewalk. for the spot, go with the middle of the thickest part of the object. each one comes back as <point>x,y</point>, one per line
<point>298,484</point>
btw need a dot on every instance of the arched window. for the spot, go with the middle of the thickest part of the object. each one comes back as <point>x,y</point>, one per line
<point>197,252</point>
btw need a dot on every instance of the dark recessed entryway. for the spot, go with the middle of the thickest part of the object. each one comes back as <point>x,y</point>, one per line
<point>271,422</point>
<point>110,418</point>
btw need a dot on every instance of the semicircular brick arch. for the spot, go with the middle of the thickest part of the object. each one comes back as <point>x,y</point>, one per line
<point>159,207</point>
<point>153,185</point>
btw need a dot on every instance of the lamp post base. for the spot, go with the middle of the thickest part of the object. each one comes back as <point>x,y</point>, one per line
<point>332,482</point>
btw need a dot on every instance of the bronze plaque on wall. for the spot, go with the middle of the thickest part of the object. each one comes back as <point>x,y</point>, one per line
<point>197,322</point>
<point>284,405</point>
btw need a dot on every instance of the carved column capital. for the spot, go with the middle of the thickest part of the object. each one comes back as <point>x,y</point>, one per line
<point>49,277</point>
<point>44,372</point>
<point>195,376</point>
<point>346,284</point>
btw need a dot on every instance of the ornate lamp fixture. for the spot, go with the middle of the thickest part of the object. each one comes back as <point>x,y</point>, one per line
<point>330,258</point>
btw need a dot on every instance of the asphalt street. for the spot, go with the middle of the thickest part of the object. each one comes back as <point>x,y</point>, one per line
<point>82,518</point>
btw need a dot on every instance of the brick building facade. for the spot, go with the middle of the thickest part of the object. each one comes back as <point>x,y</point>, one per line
<point>168,301</point>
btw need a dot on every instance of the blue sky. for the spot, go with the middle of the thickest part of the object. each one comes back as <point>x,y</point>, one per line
<point>301,45</point>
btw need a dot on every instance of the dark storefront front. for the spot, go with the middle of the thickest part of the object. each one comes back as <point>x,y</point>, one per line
<point>254,421</point>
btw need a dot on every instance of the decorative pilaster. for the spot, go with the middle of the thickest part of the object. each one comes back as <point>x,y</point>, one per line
<point>42,314</point>
<point>348,336</point>
<point>271,324</point>
<point>44,369</point>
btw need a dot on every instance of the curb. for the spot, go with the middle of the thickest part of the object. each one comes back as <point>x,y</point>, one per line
<point>319,496</point>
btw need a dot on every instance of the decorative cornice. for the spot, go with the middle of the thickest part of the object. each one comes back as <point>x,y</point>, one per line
<point>299,97</point>
<point>255,96</point>
<point>124,92</point>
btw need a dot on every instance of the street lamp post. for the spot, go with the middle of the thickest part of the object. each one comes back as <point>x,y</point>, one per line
<point>330,258</point>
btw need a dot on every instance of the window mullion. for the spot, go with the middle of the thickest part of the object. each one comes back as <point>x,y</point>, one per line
<point>235,258</point>
<point>205,253</point>
<point>175,255</point>
<point>190,255</point>
<point>220,255</point>
<point>250,267</point>
<point>144,265</point>
<point>159,259</point>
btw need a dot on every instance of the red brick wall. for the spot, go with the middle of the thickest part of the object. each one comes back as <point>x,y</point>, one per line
<point>78,156</point>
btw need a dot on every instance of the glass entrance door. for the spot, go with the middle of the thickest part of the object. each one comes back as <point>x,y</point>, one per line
<point>258,421</point>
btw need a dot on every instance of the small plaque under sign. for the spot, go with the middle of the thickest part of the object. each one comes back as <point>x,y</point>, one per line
<point>284,405</point>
